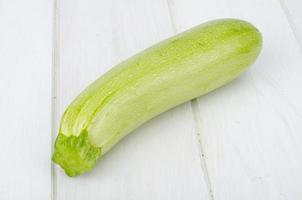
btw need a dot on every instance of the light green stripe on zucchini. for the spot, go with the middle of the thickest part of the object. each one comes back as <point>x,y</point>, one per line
<point>159,78</point>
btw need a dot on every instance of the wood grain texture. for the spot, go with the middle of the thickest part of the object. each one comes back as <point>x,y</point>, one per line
<point>293,12</point>
<point>25,102</point>
<point>251,129</point>
<point>242,141</point>
<point>161,159</point>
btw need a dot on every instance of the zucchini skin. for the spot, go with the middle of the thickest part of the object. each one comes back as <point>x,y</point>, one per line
<point>159,78</point>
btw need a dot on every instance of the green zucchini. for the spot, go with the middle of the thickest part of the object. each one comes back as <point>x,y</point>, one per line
<point>159,78</point>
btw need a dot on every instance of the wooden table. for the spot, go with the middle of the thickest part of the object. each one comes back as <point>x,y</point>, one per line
<point>243,141</point>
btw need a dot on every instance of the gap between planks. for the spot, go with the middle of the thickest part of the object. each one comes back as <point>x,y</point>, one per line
<point>54,84</point>
<point>197,121</point>
<point>291,23</point>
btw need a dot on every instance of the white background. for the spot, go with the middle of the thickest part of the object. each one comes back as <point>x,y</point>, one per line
<point>243,141</point>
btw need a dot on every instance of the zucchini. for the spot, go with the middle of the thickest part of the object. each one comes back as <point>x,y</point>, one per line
<point>159,78</point>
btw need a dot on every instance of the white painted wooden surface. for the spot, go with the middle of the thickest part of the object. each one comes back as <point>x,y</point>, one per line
<point>25,102</point>
<point>243,141</point>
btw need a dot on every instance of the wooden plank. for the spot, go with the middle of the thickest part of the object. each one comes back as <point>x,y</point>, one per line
<point>251,129</point>
<point>25,103</point>
<point>161,159</point>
